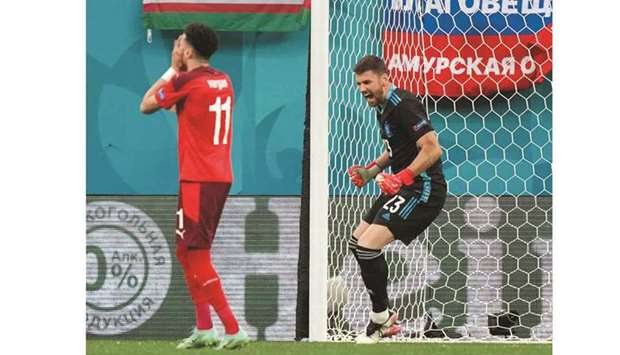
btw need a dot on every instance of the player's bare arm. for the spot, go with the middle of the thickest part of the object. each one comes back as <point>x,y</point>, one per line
<point>384,159</point>
<point>429,153</point>
<point>149,104</point>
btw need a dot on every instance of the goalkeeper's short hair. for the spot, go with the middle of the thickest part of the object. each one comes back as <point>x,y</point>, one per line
<point>370,62</point>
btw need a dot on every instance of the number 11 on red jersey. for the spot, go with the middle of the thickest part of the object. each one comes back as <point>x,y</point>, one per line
<point>218,107</point>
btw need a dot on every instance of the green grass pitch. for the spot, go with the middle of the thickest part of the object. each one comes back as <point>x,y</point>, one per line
<point>159,347</point>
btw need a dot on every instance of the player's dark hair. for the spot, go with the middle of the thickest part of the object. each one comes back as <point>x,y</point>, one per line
<point>202,38</point>
<point>370,62</point>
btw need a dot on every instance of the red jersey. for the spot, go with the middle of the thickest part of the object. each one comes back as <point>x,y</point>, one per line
<point>204,104</point>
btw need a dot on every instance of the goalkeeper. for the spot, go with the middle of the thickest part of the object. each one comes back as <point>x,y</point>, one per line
<point>412,196</point>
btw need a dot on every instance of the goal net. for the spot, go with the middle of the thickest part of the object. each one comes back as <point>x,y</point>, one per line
<point>483,270</point>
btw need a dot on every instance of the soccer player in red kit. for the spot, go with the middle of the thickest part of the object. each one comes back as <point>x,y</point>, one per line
<point>203,100</point>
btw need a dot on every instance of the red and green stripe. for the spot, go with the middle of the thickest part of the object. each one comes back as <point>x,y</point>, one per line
<point>228,15</point>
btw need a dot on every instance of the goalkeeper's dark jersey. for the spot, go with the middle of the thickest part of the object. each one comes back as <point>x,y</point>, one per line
<point>403,121</point>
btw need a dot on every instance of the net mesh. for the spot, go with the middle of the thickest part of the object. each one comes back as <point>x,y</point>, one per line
<point>483,269</point>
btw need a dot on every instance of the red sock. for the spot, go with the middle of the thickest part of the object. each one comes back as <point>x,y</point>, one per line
<point>211,288</point>
<point>203,316</point>
<point>231,326</point>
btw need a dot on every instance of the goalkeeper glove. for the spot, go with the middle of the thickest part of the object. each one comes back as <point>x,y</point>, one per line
<point>361,175</point>
<point>391,184</point>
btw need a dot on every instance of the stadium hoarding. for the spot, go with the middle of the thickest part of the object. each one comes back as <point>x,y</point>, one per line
<point>482,257</point>
<point>135,287</point>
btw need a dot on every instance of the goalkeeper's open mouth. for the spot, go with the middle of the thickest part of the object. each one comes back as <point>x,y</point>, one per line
<point>370,98</point>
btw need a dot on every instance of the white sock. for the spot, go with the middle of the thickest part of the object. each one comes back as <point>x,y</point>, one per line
<point>380,317</point>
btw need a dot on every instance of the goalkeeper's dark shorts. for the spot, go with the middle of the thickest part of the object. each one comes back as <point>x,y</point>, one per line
<point>408,213</point>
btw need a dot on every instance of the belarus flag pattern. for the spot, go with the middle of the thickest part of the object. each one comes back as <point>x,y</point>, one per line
<point>228,15</point>
<point>467,47</point>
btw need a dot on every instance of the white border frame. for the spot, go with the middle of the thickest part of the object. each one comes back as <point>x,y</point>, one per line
<point>319,167</point>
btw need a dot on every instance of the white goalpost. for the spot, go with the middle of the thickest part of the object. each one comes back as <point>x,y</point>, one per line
<point>483,270</point>
<point>319,161</point>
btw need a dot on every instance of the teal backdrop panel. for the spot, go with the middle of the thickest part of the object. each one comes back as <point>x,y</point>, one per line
<point>133,154</point>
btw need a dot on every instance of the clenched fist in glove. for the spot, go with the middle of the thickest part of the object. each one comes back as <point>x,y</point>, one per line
<point>360,175</point>
<point>391,184</point>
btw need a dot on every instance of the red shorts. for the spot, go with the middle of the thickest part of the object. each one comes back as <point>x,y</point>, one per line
<point>200,206</point>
